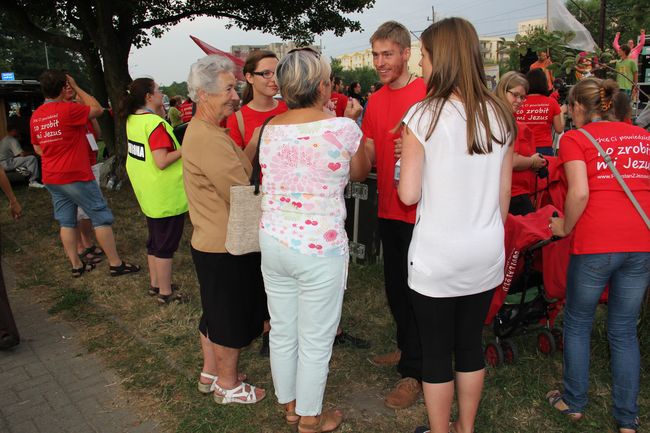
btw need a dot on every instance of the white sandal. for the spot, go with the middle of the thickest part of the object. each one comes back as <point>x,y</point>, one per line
<point>226,396</point>
<point>207,388</point>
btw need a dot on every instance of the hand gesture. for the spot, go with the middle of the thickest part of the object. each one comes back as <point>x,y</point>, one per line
<point>330,108</point>
<point>398,148</point>
<point>71,82</point>
<point>353,109</point>
<point>15,210</point>
<point>556,225</point>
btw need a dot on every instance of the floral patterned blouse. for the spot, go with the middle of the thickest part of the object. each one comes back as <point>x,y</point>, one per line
<point>305,169</point>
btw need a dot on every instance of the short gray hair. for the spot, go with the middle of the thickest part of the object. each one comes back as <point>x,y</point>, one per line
<point>204,74</point>
<point>298,75</point>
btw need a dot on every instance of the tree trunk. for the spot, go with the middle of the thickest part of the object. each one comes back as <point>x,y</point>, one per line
<point>117,78</point>
<point>96,74</point>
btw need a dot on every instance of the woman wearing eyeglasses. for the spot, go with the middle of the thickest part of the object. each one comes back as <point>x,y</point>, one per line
<point>258,103</point>
<point>512,88</point>
<point>540,112</point>
<point>258,100</point>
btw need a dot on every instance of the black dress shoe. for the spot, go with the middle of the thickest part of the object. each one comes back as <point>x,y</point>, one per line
<point>7,341</point>
<point>356,342</point>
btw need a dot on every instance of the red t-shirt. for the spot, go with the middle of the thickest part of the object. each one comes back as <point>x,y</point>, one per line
<point>340,102</point>
<point>160,139</point>
<point>384,112</point>
<point>59,128</point>
<point>186,111</point>
<point>252,119</point>
<point>610,223</point>
<point>523,182</point>
<point>537,112</point>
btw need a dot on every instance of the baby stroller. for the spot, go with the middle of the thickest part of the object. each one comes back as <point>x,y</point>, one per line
<point>522,299</point>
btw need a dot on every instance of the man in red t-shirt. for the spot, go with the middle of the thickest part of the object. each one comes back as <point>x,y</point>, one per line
<point>186,109</point>
<point>391,50</point>
<point>58,131</point>
<point>543,62</point>
<point>338,100</point>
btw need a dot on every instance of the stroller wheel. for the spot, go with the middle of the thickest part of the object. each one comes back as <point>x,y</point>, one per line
<point>559,338</point>
<point>493,354</point>
<point>546,342</point>
<point>510,354</point>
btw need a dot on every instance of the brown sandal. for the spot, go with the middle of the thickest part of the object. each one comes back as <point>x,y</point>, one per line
<point>292,419</point>
<point>330,415</point>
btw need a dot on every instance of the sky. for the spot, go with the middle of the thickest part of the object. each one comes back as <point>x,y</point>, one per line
<point>168,58</point>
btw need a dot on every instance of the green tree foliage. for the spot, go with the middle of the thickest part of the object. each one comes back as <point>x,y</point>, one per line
<point>175,89</point>
<point>365,76</point>
<point>537,40</point>
<point>26,58</point>
<point>625,16</point>
<point>104,31</point>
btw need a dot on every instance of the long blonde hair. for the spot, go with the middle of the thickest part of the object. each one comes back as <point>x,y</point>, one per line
<point>509,81</point>
<point>457,69</point>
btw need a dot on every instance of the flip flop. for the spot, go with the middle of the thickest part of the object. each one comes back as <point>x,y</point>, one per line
<point>554,398</point>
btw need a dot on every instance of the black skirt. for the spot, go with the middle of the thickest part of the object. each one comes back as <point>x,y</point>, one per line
<point>232,297</point>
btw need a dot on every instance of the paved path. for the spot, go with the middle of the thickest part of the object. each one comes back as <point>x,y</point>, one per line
<point>50,384</point>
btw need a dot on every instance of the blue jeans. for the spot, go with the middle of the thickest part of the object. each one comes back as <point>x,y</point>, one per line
<point>66,198</point>
<point>628,275</point>
<point>304,295</point>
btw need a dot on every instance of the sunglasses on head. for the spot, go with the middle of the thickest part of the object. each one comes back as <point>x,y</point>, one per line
<point>308,49</point>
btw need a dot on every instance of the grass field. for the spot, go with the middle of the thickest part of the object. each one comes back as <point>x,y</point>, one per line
<point>156,349</point>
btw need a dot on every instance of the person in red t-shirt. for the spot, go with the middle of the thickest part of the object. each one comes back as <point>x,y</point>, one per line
<point>59,136</point>
<point>540,112</point>
<point>512,88</point>
<point>391,50</point>
<point>86,248</point>
<point>610,245</point>
<point>187,110</point>
<point>543,62</point>
<point>258,101</point>
<point>338,101</point>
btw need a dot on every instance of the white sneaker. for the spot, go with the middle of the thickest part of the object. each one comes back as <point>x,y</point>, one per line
<point>35,184</point>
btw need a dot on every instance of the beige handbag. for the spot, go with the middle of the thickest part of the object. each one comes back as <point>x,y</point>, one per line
<point>242,235</point>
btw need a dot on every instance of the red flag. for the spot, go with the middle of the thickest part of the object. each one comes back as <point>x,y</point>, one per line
<point>209,49</point>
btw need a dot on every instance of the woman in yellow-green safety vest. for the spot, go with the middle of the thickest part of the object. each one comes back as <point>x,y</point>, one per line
<point>154,167</point>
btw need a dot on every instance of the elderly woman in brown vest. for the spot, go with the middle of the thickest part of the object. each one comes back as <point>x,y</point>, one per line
<point>232,290</point>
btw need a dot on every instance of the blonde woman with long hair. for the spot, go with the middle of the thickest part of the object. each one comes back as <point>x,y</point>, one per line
<point>458,172</point>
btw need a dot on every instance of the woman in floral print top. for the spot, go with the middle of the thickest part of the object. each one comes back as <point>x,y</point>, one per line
<point>307,157</point>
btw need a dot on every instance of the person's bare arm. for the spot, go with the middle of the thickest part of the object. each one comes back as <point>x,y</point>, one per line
<point>164,158</point>
<point>98,128</point>
<point>576,198</point>
<point>505,184</point>
<point>14,207</point>
<point>411,167</point>
<point>558,122</point>
<point>369,145</point>
<point>251,147</point>
<point>96,109</point>
<point>38,149</point>
<point>523,163</point>
<point>359,165</point>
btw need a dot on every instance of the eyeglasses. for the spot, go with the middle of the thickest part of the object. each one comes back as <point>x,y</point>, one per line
<point>267,74</point>
<point>522,98</point>
<point>308,49</point>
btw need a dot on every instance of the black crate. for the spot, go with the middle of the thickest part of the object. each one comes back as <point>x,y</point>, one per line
<point>361,202</point>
